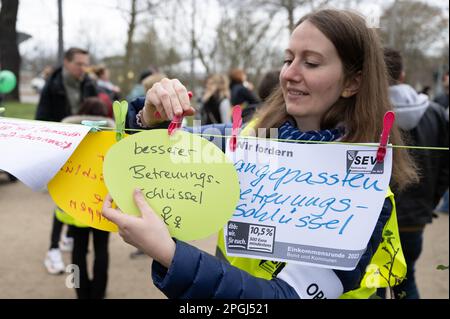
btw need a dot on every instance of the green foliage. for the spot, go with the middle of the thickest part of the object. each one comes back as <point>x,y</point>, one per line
<point>389,248</point>
<point>442,267</point>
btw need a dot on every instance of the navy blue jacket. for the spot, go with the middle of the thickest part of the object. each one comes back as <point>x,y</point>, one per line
<point>196,274</point>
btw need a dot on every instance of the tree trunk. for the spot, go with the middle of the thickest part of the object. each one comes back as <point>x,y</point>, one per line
<point>60,34</point>
<point>290,10</point>
<point>9,49</point>
<point>193,45</point>
<point>129,46</point>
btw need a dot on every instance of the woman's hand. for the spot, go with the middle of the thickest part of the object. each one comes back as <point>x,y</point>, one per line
<point>147,233</point>
<point>168,98</point>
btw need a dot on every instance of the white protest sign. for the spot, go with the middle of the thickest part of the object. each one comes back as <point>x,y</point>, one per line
<point>34,151</point>
<point>311,204</point>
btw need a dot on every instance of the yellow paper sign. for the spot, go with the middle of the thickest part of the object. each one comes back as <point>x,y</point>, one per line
<point>78,188</point>
<point>188,181</point>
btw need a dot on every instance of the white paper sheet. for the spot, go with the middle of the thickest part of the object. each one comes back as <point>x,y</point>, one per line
<point>34,151</point>
<point>310,204</point>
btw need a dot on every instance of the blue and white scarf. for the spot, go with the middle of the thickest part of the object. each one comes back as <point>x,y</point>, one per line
<point>287,131</point>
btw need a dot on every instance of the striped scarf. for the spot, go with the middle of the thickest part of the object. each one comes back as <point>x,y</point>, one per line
<point>287,131</point>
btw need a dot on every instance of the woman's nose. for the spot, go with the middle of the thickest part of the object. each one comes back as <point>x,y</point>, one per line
<point>293,73</point>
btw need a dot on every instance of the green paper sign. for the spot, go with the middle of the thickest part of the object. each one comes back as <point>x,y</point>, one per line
<point>188,181</point>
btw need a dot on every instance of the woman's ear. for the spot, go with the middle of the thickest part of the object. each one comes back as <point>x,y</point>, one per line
<point>352,86</point>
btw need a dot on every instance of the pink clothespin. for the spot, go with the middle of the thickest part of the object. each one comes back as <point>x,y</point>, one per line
<point>237,123</point>
<point>177,120</point>
<point>388,121</point>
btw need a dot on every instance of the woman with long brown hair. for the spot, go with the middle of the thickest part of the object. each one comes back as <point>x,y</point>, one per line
<point>333,86</point>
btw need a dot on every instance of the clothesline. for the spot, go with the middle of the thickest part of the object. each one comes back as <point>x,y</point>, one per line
<point>302,141</point>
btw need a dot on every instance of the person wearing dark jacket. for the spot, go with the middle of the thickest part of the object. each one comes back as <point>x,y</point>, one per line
<point>66,88</point>
<point>240,93</point>
<point>424,124</point>
<point>315,82</point>
<point>442,99</point>
<point>266,87</point>
<point>216,107</point>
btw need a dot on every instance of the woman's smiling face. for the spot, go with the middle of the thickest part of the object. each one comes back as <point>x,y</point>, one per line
<point>312,76</point>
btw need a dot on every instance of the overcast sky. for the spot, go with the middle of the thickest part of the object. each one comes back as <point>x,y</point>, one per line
<point>95,20</point>
<point>98,18</point>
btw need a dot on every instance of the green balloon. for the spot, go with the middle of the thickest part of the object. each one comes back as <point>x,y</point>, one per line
<point>7,81</point>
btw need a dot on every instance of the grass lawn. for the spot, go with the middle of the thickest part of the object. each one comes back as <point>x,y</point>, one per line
<point>19,110</point>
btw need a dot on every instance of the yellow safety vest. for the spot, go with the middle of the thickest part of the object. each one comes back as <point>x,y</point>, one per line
<point>65,218</point>
<point>387,267</point>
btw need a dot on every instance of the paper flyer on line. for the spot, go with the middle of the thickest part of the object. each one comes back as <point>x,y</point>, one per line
<point>311,204</point>
<point>34,151</point>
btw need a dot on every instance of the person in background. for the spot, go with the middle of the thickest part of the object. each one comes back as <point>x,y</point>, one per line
<point>38,82</point>
<point>269,84</point>
<point>426,90</point>
<point>107,91</point>
<point>151,79</point>
<point>92,109</point>
<point>266,87</point>
<point>66,88</point>
<point>104,83</point>
<point>423,123</point>
<point>216,106</point>
<point>138,89</point>
<point>442,99</point>
<point>241,92</point>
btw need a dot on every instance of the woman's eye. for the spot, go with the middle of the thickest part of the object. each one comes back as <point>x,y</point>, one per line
<point>311,64</point>
<point>287,61</point>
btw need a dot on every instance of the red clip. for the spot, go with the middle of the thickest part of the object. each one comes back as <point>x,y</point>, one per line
<point>237,123</point>
<point>388,121</point>
<point>177,120</point>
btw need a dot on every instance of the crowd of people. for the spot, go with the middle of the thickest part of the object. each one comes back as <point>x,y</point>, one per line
<point>335,81</point>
